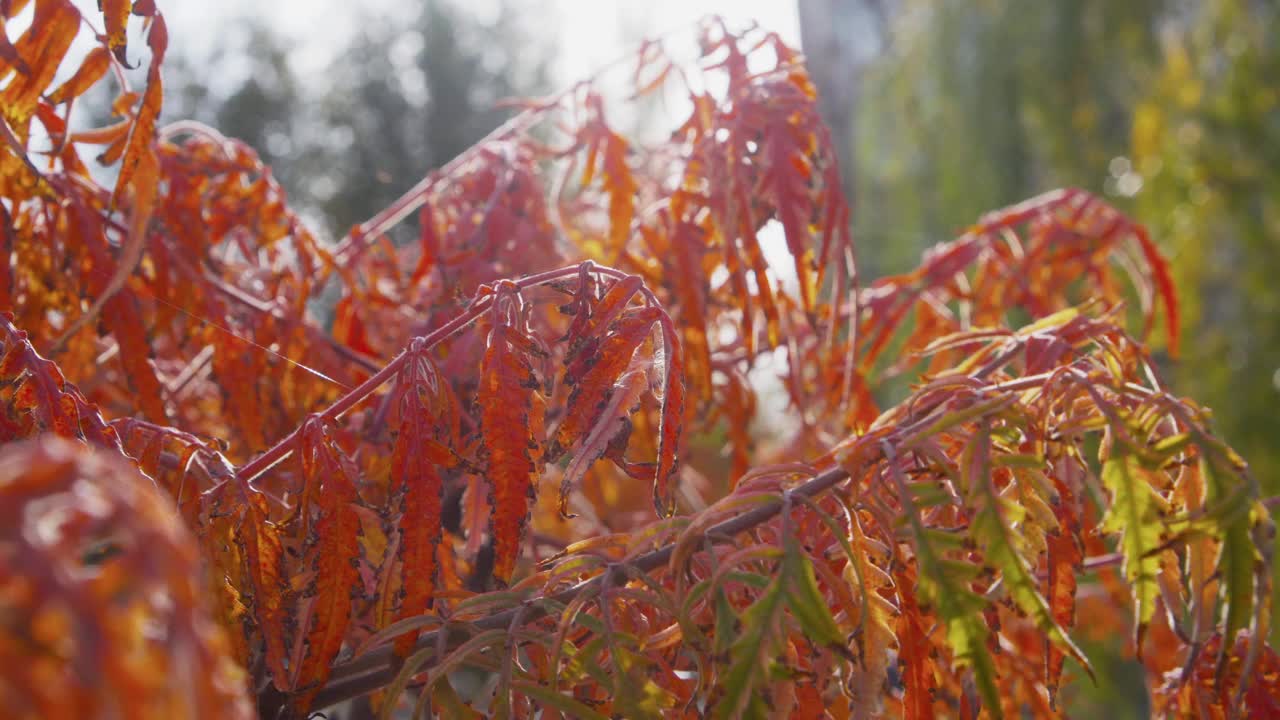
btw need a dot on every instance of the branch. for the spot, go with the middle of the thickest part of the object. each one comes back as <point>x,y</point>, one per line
<point>362,675</point>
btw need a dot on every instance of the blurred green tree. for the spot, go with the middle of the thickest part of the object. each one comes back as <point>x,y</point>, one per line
<point>406,92</point>
<point>1170,109</point>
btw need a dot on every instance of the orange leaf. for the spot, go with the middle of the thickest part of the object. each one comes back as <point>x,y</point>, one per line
<point>508,395</point>
<point>591,390</point>
<point>621,400</point>
<point>91,71</point>
<point>414,475</point>
<point>40,50</point>
<point>914,648</point>
<point>685,264</point>
<point>334,556</point>
<point>592,317</point>
<point>122,316</point>
<point>104,135</point>
<point>263,553</point>
<point>612,149</point>
<point>1066,556</point>
<point>115,15</point>
<point>140,158</point>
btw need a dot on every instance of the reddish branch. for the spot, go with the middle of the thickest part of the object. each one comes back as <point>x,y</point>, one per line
<point>379,667</point>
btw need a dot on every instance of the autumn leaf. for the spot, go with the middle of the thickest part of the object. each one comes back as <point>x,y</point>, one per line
<point>611,151</point>
<point>126,324</point>
<point>600,371</point>
<point>612,419</point>
<point>91,70</point>
<point>334,557</point>
<point>261,546</point>
<point>40,50</point>
<point>999,527</point>
<point>115,14</point>
<point>1065,556</point>
<point>140,158</point>
<point>1136,513</point>
<point>416,461</point>
<point>510,405</point>
<point>876,620</point>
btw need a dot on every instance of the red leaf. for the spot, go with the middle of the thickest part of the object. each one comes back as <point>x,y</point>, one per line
<point>417,454</point>
<point>622,399</point>
<point>348,327</point>
<point>1164,285</point>
<point>510,407</point>
<point>1066,556</point>
<point>601,369</point>
<point>121,315</point>
<point>41,393</point>
<point>334,556</point>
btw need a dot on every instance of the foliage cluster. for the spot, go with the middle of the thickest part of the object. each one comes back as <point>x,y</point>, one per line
<point>1168,109</point>
<point>391,529</point>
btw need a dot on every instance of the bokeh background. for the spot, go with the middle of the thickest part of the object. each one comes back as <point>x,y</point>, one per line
<point>944,109</point>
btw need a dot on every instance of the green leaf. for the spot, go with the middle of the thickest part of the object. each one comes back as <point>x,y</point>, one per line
<point>944,583</point>
<point>726,622</point>
<point>959,417</point>
<point>929,493</point>
<point>1020,460</point>
<point>635,694</point>
<point>994,531</point>
<point>751,655</point>
<point>805,600</point>
<point>1171,445</point>
<point>1237,557</point>
<point>1135,513</point>
<point>550,698</point>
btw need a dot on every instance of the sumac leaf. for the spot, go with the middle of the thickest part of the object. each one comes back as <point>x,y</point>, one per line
<point>510,409</point>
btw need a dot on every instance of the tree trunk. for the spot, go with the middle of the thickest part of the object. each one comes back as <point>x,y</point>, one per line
<point>839,37</point>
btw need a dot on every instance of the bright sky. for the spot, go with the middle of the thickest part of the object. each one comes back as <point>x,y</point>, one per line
<point>590,33</point>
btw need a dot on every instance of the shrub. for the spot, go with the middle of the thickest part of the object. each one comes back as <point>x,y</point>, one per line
<point>375,502</point>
